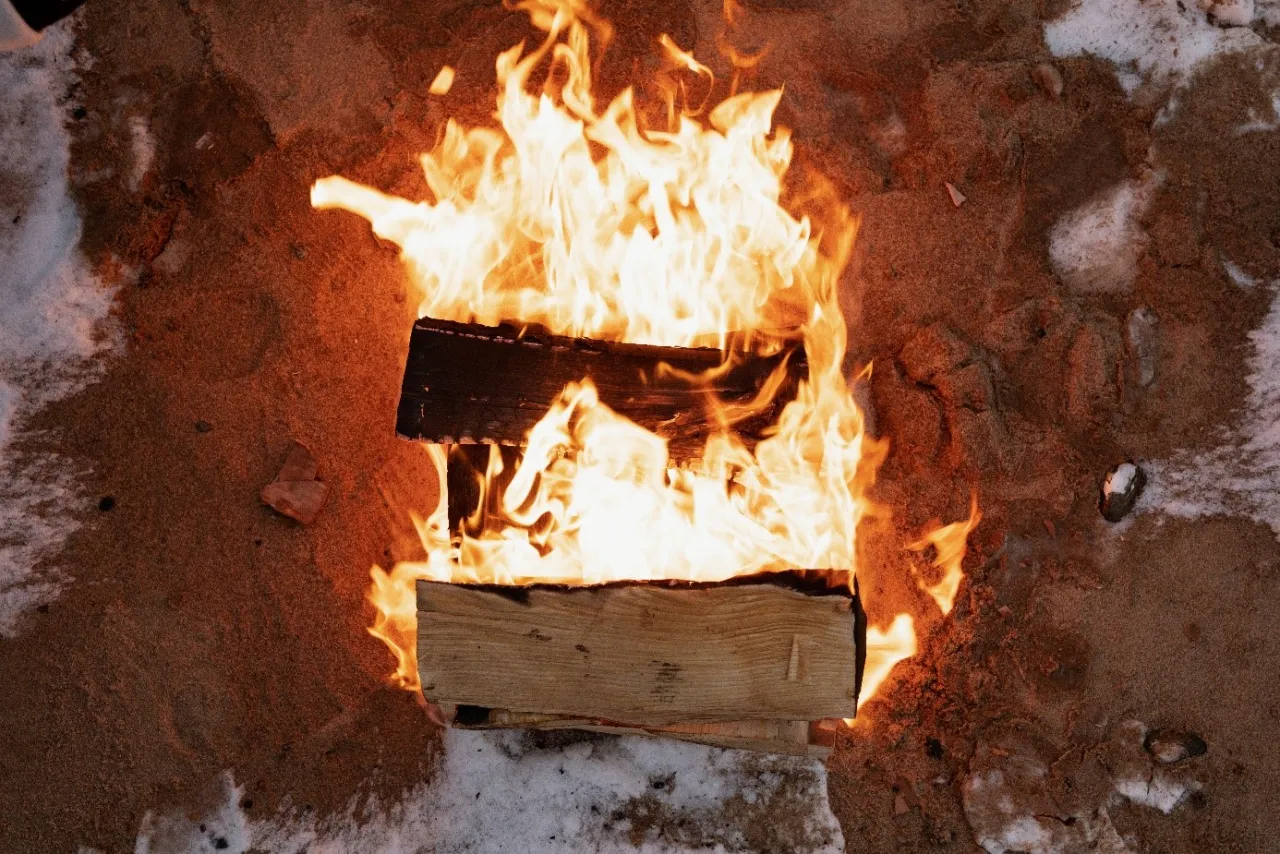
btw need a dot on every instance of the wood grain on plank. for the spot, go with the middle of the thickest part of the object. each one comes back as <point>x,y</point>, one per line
<point>640,654</point>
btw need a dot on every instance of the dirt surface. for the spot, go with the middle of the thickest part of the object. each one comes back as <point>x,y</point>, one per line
<point>204,633</point>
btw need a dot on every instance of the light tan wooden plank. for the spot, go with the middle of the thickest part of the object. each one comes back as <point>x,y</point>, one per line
<point>640,654</point>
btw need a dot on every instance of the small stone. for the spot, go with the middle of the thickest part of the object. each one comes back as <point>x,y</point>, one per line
<point>295,492</point>
<point>300,464</point>
<point>899,805</point>
<point>299,251</point>
<point>1169,745</point>
<point>1120,491</point>
<point>1229,13</point>
<point>957,198</point>
<point>1048,78</point>
<point>297,499</point>
<point>203,426</point>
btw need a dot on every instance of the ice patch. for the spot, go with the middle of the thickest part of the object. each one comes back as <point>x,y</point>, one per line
<point>52,313</point>
<point>1158,41</point>
<point>496,793</point>
<point>1242,476</point>
<point>1095,248</point>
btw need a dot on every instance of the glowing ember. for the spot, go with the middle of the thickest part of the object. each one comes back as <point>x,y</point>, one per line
<point>592,224</point>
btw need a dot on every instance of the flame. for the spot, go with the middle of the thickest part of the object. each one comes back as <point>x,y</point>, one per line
<point>949,543</point>
<point>590,223</point>
<point>443,81</point>
<point>885,648</point>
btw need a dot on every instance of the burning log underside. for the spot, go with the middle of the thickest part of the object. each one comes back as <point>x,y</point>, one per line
<point>755,663</point>
<point>745,664</point>
<point>794,738</point>
<point>464,383</point>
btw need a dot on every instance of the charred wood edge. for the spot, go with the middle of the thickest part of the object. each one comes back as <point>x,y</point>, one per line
<point>467,383</point>
<point>816,738</point>
<point>808,582</point>
<point>859,642</point>
<point>466,465</point>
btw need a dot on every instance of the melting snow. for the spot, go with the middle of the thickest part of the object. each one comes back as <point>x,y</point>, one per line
<point>1119,480</point>
<point>1242,476</point>
<point>52,313</point>
<point>1096,247</point>
<point>1159,791</point>
<point>1160,41</point>
<point>143,146</point>
<point>494,792</point>
<point>1239,276</point>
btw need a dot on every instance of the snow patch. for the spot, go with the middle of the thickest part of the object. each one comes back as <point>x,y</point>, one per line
<point>498,792</point>
<point>1268,12</point>
<point>143,145</point>
<point>1262,124</point>
<point>53,313</point>
<point>1010,816</point>
<point>1119,480</point>
<point>1095,248</point>
<point>1159,791</point>
<point>1229,13</point>
<point>1162,42</point>
<point>1239,276</point>
<point>1242,476</point>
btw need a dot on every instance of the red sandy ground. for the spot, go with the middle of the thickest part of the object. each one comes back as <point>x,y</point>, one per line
<point>204,633</point>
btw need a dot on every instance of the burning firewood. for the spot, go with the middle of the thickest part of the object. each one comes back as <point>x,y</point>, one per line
<point>649,655</point>
<point>642,497</point>
<point>464,382</point>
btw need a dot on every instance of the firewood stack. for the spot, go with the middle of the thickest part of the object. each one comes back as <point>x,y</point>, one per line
<point>765,662</point>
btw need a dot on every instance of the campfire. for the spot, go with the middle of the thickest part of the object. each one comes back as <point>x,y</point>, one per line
<point>629,372</point>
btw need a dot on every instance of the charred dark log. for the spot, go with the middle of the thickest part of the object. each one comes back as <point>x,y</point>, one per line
<point>466,383</point>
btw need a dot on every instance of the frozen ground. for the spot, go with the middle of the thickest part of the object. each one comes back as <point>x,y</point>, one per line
<point>53,318</point>
<point>497,792</point>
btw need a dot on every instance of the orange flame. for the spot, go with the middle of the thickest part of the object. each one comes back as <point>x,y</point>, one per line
<point>949,543</point>
<point>586,222</point>
<point>443,82</point>
<point>885,648</point>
